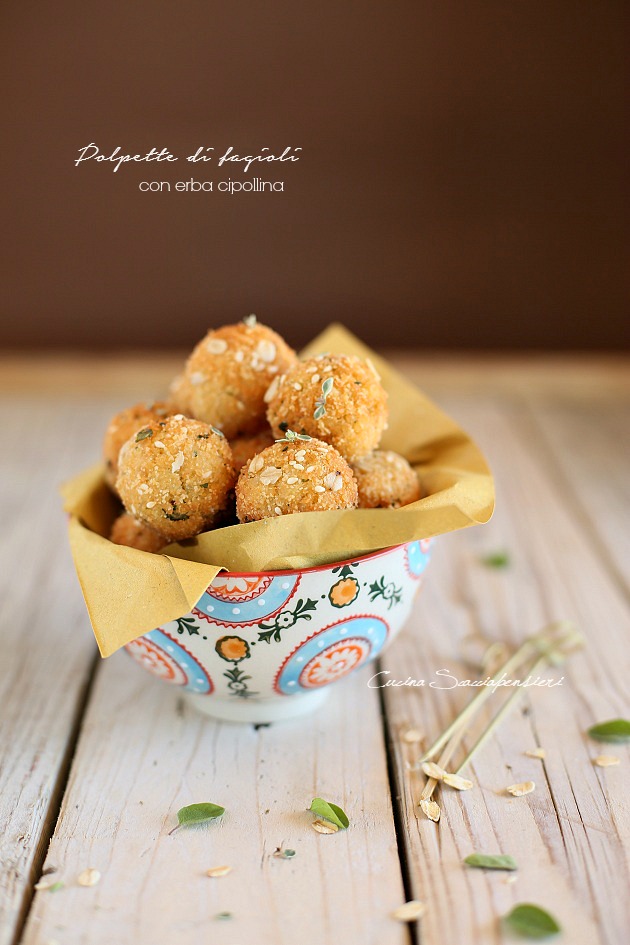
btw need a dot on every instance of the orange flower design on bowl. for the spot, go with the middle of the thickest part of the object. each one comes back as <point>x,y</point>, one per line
<point>339,660</point>
<point>344,592</point>
<point>232,649</point>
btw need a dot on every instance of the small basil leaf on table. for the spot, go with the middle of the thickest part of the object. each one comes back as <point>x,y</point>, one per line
<point>197,814</point>
<point>329,812</point>
<point>615,730</point>
<point>531,921</point>
<point>491,861</point>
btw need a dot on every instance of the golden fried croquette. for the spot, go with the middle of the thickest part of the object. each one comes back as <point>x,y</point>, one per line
<point>295,475</point>
<point>337,398</point>
<point>246,447</point>
<point>175,475</point>
<point>385,480</point>
<point>227,374</point>
<point>127,530</point>
<point>122,426</point>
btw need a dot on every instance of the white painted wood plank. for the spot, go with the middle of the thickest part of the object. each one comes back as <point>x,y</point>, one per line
<point>47,650</point>
<point>143,755</point>
<point>571,836</point>
<point>590,444</point>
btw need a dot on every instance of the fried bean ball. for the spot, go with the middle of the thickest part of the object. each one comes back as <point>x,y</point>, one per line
<point>127,530</point>
<point>246,447</point>
<point>175,476</point>
<point>227,374</point>
<point>122,426</point>
<point>385,480</point>
<point>295,476</point>
<point>336,398</point>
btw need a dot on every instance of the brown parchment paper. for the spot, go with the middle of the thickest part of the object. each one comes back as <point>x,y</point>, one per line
<point>129,592</point>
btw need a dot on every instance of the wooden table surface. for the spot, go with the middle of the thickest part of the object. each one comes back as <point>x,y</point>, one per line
<point>98,756</point>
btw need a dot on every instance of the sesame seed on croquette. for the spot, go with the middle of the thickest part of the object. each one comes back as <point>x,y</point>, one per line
<point>335,398</point>
<point>128,531</point>
<point>294,475</point>
<point>124,425</point>
<point>227,374</point>
<point>385,480</point>
<point>175,475</point>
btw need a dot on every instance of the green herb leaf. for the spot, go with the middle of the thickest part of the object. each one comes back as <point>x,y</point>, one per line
<point>223,915</point>
<point>329,812</point>
<point>491,861</point>
<point>176,516</point>
<point>250,320</point>
<point>319,413</point>
<point>531,921</point>
<point>197,814</point>
<point>217,431</point>
<point>56,886</point>
<point>327,386</point>
<point>143,434</point>
<point>498,559</point>
<point>616,730</point>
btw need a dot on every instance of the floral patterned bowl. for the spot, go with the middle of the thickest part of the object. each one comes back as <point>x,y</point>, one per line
<point>266,646</point>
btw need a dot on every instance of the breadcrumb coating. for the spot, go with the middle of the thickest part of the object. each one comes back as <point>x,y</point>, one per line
<point>124,425</point>
<point>246,447</point>
<point>127,530</point>
<point>297,476</point>
<point>385,480</point>
<point>350,413</point>
<point>175,475</point>
<point>227,374</point>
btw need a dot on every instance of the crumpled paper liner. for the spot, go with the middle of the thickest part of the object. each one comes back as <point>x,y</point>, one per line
<point>130,592</point>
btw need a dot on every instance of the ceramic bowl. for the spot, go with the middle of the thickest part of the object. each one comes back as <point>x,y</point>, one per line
<point>267,646</point>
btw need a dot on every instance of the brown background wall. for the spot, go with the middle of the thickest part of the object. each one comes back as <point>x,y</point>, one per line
<point>461,181</point>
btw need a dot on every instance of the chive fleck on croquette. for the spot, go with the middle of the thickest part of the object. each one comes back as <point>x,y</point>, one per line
<point>122,426</point>
<point>385,480</point>
<point>175,476</point>
<point>246,447</point>
<point>336,398</point>
<point>227,374</point>
<point>128,531</point>
<point>298,475</point>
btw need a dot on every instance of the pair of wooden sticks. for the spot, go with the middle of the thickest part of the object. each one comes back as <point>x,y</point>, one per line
<point>549,647</point>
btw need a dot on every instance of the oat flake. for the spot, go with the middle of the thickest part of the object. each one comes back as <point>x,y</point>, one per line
<point>322,826</point>
<point>178,462</point>
<point>197,377</point>
<point>256,464</point>
<point>606,761</point>
<point>412,735</point>
<point>266,350</point>
<point>272,390</point>
<point>89,877</point>
<point>216,346</point>
<point>218,871</point>
<point>431,809</point>
<point>270,475</point>
<point>454,781</point>
<point>518,790</point>
<point>433,771</point>
<point>535,753</point>
<point>410,911</point>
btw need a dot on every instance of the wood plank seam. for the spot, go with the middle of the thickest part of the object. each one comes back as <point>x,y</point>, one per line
<point>57,795</point>
<point>396,793</point>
